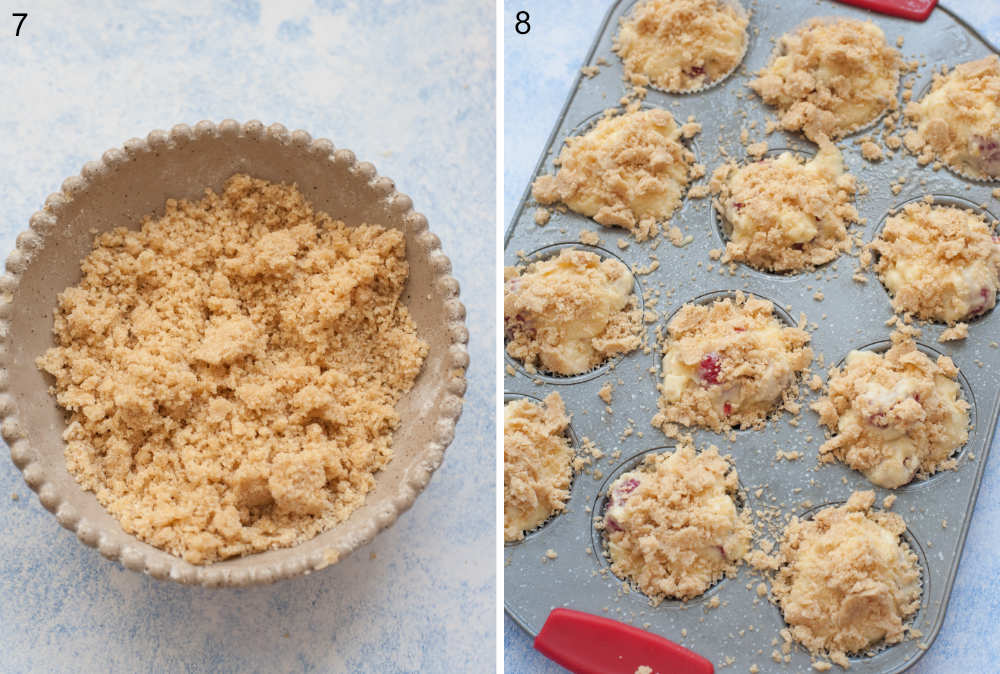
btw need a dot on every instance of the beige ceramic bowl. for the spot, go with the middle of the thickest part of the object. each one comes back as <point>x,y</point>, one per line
<point>135,180</point>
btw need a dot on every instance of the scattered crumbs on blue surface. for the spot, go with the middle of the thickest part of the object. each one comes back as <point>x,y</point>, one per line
<point>539,69</point>
<point>88,79</point>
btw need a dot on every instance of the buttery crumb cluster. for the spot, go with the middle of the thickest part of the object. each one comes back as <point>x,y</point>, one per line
<point>629,171</point>
<point>730,363</point>
<point>231,369</point>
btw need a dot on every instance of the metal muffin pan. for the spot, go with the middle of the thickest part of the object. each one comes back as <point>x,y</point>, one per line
<point>740,631</point>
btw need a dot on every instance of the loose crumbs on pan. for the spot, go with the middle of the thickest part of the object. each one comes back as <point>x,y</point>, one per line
<point>231,369</point>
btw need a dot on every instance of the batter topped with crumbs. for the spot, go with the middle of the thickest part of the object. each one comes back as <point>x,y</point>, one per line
<point>784,214</point>
<point>939,262</point>
<point>629,171</point>
<point>672,525</point>
<point>681,45</point>
<point>830,77</point>
<point>536,464</point>
<point>846,579</point>
<point>570,313</point>
<point>958,121</point>
<point>895,416</point>
<point>728,364</point>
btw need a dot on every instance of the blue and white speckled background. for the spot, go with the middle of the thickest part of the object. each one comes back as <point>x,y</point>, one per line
<point>539,69</point>
<point>364,74</point>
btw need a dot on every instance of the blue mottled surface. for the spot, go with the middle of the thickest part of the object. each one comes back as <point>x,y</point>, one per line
<point>539,69</point>
<point>364,74</point>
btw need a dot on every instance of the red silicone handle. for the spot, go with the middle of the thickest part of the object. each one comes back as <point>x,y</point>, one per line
<point>590,644</point>
<point>915,10</point>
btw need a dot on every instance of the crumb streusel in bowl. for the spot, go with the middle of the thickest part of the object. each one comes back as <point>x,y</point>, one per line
<point>255,351</point>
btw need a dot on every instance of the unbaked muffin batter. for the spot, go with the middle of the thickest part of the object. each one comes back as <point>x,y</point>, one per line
<point>570,313</point>
<point>681,45</point>
<point>785,214</point>
<point>895,416</point>
<point>939,262</point>
<point>847,581</point>
<point>728,364</point>
<point>959,120</point>
<point>231,370</point>
<point>672,525</point>
<point>831,77</point>
<point>536,464</point>
<point>629,171</point>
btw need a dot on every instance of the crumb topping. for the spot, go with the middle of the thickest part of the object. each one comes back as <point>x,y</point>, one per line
<point>830,77</point>
<point>672,525</point>
<point>939,262</point>
<point>570,313</point>
<point>729,364</point>
<point>958,121</point>
<point>681,45</point>
<point>629,171</point>
<point>230,370</point>
<point>784,214</point>
<point>895,416</point>
<point>847,580</point>
<point>536,464</point>
<point>955,333</point>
